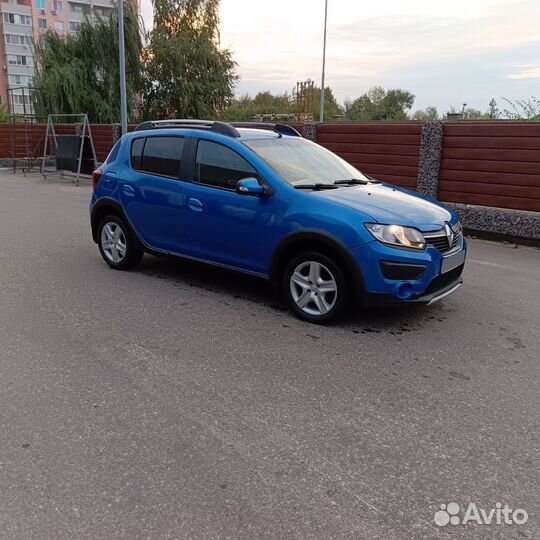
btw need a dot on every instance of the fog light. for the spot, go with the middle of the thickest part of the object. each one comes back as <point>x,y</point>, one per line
<point>404,290</point>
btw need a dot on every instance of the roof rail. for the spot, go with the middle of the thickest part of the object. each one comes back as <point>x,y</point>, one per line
<point>282,129</point>
<point>217,127</point>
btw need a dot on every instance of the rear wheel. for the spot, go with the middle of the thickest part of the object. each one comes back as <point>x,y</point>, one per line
<point>116,244</point>
<point>315,287</point>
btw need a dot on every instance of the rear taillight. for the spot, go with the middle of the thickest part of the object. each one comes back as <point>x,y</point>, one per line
<point>96,176</point>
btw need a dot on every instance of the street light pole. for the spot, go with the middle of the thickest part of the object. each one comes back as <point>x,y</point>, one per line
<point>324,59</point>
<point>122,66</point>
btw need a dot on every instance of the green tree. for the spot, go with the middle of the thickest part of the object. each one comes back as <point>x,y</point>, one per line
<point>80,74</point>
<point>245,107</point>
<point>470,113</point>
<point>186,73</point>
<point>331,106</point>
<point>523,109</point>
<point>473,114</point>
<point>380,104</point>
<point>266,102</point>
<point>493,111</point>
<point>425,115</point>
<point>240,109</point>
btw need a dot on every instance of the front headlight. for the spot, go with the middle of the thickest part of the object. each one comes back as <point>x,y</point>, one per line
<point>397,236</point>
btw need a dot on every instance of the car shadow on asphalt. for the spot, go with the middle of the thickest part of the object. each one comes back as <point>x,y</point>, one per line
<point>243,287</point>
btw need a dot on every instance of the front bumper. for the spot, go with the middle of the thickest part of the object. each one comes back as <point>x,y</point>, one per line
<point>424,282</point>
<point>440,294</point>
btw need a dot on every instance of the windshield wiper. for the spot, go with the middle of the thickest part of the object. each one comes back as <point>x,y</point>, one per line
<point>316,187</point>
<point>355,181</point>
<point>373,180</point>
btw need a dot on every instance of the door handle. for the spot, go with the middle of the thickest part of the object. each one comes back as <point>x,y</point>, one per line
<point>128,190</point>
<point>195,205</point>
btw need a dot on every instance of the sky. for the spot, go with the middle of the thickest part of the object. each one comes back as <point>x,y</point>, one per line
<point>446,52</point>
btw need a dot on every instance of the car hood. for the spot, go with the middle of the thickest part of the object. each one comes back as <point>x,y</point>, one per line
<point>385,203</point>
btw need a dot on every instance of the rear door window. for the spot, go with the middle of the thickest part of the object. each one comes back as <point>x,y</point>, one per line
<point>161,155</point>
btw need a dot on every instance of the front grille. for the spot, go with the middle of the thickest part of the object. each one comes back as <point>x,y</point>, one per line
<point>439,240</point>
<point>443,280</point>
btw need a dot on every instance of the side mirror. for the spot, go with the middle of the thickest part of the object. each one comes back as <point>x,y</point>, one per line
<point>250,186</point>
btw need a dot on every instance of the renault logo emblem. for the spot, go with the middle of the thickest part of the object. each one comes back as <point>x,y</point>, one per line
<point>449,233</point>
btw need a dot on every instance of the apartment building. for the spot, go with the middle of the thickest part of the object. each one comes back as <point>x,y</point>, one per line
<point>23,19</point>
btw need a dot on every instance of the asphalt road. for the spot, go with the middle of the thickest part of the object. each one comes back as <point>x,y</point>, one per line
<point>177,401</point>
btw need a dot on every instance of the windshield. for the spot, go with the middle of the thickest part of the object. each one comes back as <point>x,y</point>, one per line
<point>299,161</point>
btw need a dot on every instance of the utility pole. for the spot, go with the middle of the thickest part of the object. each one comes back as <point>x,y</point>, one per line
<point>122,65</point>
<point>324,59</point>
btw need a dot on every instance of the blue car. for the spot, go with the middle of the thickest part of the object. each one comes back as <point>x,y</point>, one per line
<point>260,199</point>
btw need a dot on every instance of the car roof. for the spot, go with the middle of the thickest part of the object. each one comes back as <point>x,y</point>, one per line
<point>218,130</point>
<point>245,134</point>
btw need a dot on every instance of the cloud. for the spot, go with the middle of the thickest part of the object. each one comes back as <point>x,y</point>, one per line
<point>403,40</point>
<point>443,60</point>
<point>443,52</point>
<point>527,71</point>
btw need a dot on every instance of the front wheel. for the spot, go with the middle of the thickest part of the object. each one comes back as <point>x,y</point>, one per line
<point>315,287</point>
<point>116,244</point>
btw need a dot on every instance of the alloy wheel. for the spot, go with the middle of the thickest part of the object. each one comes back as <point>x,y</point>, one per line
<point>313,288</point>
<point>113,242</point>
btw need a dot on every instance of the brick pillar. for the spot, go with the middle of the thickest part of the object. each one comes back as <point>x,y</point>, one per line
<point>309,131</point>
<point>430,158</point>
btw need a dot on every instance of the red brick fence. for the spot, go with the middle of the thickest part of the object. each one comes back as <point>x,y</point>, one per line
<point>489,164</point>
<point>387,151</point>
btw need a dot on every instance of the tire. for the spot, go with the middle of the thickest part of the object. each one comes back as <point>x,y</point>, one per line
<point>116,244</point>
<point>315,287</point>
